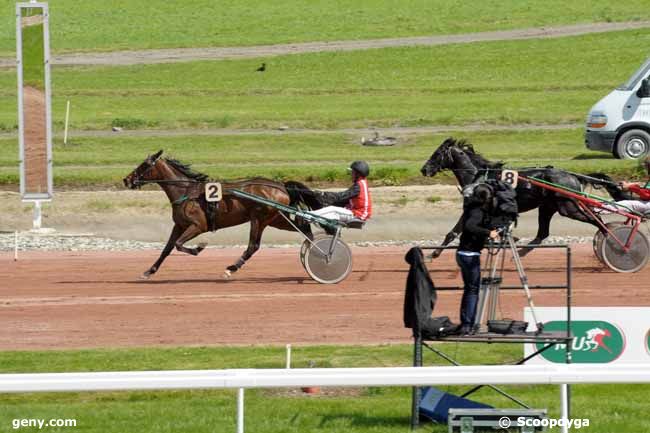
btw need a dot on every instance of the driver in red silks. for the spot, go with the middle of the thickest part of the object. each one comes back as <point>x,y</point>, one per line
<point>642,205</point>
<point>359,202</point>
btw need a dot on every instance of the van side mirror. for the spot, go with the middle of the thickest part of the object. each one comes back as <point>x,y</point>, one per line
<point>644,89</point>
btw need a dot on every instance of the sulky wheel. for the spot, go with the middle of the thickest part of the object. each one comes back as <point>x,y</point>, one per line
<point>599,237</point>
<point>303,251</point>
<point>324,269</point>
<point>305,247</point>
<point>617,258</point>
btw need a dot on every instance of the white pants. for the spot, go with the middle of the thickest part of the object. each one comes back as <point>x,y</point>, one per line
<point>639,206</point>
<point>334,213</point>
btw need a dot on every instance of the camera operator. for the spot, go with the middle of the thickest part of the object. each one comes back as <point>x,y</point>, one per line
<point>477,229</point>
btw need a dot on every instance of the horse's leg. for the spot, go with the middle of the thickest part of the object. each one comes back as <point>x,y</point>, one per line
<point>570,209</point>
<point>453,234</point>
<point>190,233</point>
<point>545,213</point>
<point>176,232</point>
<point>254,240</point>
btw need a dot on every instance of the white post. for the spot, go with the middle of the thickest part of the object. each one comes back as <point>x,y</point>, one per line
<point>288,355</point>
<point>67,118</point>
<point>16,246</point>
<point>240,410</point>
<point>36,223</point>
<point>564,396</point>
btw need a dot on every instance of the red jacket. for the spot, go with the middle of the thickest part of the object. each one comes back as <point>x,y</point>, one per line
<point>643,193</point>
<point>361,204</point>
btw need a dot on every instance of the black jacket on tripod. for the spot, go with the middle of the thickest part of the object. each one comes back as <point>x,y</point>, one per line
<point>419,299</point>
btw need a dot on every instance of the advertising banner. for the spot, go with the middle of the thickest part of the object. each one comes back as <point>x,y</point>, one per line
<point>602,335</point>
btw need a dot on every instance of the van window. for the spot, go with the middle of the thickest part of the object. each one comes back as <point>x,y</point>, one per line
<point>636,77</point>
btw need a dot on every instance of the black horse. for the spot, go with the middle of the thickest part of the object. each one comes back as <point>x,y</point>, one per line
<point>469,166</point>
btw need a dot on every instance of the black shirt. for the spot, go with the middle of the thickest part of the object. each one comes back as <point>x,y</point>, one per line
<point>340,198</point>
<point>476,229</point>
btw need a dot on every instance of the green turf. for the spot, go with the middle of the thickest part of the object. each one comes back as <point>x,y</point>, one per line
<point>122,24</point>
<point>610,408</point>
<point>315,159</point>
<point>514,82</point>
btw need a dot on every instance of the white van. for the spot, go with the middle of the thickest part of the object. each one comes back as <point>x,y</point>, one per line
<point>620,122</point>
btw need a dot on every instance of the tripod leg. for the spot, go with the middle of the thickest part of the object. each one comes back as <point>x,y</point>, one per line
<point>486,295</point>
<point>524,280</point>
<point>497,279</point>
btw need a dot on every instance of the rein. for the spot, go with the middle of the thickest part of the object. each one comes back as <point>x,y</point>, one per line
<point>145,182</point>
<point>226,191</point>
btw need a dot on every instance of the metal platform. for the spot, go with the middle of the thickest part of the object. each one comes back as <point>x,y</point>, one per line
<point>545,340</point>
<point>560,337</point>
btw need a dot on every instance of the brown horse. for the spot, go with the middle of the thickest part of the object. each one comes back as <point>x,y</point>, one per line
<point>185,190</point>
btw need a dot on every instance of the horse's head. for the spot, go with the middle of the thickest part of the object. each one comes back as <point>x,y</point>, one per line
<point>451,154</point>
<point>144,172</point>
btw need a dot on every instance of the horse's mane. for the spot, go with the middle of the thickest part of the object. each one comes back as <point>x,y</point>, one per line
<point>186,170</point>
<point>477,159</point>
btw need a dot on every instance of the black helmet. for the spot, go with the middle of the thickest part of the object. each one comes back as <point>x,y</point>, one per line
<point>360,167</point>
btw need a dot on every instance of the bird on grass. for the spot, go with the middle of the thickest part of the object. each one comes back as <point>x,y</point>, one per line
<point>261,68</point>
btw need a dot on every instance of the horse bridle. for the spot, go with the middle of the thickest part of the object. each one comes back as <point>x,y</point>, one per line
<point>138,182</point>
<point>137,178</point>
<point>448,158</point>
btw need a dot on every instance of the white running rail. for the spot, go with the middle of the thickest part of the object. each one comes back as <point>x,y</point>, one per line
<point>561,374</point>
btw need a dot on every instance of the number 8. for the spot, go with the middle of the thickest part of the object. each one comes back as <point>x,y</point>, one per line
<point>510,177</point>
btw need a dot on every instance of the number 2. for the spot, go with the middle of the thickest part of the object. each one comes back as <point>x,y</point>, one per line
<point>213,191</point>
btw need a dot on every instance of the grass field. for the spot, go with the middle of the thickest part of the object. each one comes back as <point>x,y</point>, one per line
<point>516,82</point>
<point>123,24</point>
<point>353,410</point>
<point>316,159</point>
<point>503,83</point>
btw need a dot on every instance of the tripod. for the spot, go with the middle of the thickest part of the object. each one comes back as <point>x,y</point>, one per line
<point>493,277</point>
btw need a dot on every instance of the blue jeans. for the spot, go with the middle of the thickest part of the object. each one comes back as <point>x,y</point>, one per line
<point>470,268</point>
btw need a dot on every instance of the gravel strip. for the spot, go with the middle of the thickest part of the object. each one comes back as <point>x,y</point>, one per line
<point>175,55</point>
<point>59,242</point>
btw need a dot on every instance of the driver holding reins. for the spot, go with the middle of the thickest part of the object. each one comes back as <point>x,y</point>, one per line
<point>642,205</point>
<point>353,203</point>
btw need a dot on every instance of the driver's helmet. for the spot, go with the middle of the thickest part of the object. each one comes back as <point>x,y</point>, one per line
<point>360,167</point>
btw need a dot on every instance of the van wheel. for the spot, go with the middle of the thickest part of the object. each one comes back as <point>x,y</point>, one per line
<point>633,144</point>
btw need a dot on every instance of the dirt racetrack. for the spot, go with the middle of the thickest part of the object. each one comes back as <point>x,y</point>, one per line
<point>81,300</point>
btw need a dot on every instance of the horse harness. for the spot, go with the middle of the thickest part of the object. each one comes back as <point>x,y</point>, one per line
<point>211,208</point>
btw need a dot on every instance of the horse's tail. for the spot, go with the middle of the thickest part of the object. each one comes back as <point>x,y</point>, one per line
<point>300,194</point>
<point>601,180</point>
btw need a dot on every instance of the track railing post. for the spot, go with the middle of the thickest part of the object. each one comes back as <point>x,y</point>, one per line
<point>564,397</point>
<point>240,410</point>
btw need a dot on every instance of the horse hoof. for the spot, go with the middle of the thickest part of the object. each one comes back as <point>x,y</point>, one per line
<point>227,274</point>
<point>145,276</point>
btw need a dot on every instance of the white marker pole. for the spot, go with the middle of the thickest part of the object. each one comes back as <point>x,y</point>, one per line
<point>36,223</point>
<point>16,246</point>
<point>288,355</point>
<point>67,118</point>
